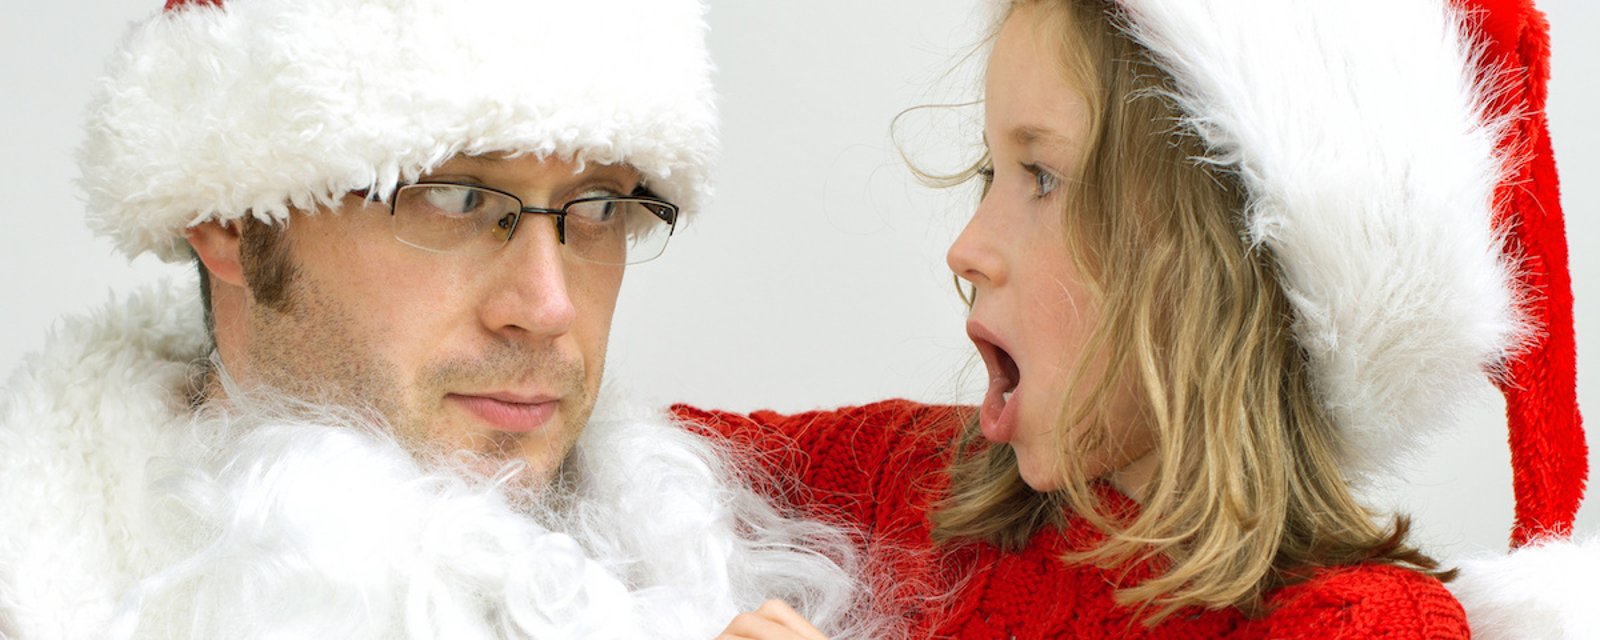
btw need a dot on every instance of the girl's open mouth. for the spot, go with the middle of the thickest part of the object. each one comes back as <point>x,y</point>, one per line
<point>997,415</point>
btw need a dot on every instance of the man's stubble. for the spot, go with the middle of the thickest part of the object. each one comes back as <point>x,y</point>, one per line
<point>304,342</point>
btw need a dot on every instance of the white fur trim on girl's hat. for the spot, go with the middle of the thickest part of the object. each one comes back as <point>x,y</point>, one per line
<point>256,106</point>
<point>1400,172</point>
<point>1358,129</point>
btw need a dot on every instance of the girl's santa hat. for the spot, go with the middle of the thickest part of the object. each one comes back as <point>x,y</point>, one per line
<point>216,110</point>
<point>1400,171</point>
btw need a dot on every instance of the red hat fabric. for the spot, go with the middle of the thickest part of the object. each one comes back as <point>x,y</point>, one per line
<point>1545,588</point>
<point>1549,456</point>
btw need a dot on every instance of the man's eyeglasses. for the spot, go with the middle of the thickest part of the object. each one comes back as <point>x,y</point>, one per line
<point>470,219</point>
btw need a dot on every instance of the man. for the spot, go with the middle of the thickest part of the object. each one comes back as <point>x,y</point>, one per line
<point>380,415</point>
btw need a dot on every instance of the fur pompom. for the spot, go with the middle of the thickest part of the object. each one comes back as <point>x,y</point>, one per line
<point>1549,589</point>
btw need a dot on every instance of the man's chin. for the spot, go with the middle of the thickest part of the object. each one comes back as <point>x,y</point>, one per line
<point>458,440</point>
<point>495,457</point>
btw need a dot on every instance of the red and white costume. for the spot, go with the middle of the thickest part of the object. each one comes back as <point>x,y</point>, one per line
<point>129,511</point>
<point>1399,170</point>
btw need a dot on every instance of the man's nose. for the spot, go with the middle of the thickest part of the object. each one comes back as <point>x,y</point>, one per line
<point>530,295</point>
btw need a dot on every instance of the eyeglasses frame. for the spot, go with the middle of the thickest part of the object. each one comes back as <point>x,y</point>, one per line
<point>668,213</point>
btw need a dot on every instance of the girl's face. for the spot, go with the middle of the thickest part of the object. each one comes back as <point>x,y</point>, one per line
<point>1033,313</point>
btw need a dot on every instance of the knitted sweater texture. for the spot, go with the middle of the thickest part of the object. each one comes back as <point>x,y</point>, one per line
<point>878,467</point>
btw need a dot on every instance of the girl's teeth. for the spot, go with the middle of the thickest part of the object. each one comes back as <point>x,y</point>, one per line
<point>1006,396</point>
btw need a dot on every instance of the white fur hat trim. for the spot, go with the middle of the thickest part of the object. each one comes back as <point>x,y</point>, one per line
<point>1371,171</point>
<point>214,113</point>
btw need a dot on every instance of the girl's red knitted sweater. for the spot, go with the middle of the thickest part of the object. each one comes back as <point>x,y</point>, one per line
<point>878,467</point>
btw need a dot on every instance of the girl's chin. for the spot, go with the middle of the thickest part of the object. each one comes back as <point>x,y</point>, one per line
<point>1039,475</point>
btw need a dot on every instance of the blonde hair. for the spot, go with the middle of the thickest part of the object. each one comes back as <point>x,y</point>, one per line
<point>1248,494</point>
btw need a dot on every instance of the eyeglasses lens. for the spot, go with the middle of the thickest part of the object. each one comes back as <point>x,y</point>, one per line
<point>462,219</point>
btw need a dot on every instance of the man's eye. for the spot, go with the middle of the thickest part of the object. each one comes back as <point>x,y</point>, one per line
<point>451,200</point>
<point>594,211</point>
<point>602,209</point>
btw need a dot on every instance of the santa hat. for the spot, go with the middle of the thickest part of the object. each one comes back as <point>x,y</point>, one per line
<point>1399,169</point>
<point>215,110</point>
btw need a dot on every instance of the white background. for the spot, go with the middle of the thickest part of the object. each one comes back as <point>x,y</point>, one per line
<point>817,277</point>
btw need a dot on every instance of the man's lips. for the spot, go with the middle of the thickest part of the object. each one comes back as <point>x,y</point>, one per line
<point>507,411</point>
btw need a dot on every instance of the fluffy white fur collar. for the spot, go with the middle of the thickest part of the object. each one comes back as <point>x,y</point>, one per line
<point>129,515</point>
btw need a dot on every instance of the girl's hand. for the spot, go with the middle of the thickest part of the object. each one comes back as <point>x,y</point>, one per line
<point>775,620</point>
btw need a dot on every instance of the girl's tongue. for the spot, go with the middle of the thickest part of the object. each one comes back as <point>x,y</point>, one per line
<point>997,418</point>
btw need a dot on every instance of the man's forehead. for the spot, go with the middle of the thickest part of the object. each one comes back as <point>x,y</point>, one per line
<point>519,163</point>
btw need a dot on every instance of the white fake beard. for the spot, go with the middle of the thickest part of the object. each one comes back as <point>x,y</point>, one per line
<point>281,518</point>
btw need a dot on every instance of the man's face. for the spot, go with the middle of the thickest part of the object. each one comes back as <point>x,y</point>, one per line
<point>500,353</point>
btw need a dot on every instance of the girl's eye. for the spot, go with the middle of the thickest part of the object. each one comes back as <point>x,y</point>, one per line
<point>1044,182</point>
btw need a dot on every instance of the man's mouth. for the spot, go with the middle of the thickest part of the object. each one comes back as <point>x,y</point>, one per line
<point>997,417</point>
<point>507,411</point>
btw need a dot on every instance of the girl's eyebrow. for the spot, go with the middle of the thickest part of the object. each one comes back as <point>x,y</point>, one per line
<point>1026,135</point>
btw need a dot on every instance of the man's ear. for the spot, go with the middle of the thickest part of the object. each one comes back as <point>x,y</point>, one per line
<point>217,245</point>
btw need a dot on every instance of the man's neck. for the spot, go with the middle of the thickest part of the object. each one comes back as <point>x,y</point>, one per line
<point>205,381</point>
